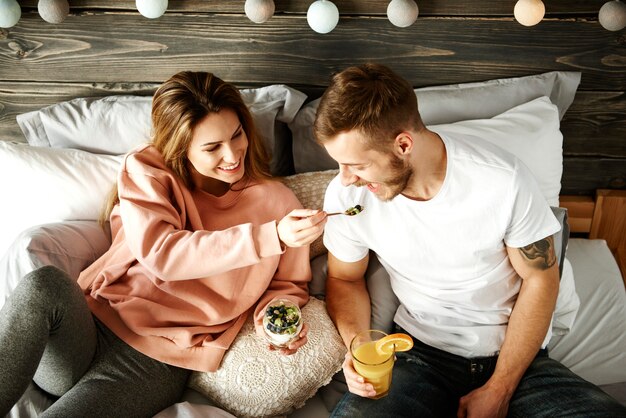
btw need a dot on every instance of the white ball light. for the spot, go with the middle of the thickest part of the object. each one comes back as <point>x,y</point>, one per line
<point>612,15</point>
<point>10,13</point>
<point>402,13</point>
<point>259,11</point>
<point>151,8</point>
<point>53,11</point>
<point>529,12</point>
<point>322,16</point>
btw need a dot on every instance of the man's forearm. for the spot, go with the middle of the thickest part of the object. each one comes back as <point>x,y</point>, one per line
<point>526,331</point>
<point>348,304</point>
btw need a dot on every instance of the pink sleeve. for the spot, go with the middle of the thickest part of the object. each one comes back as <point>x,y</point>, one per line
<point>291,278</point>
<point>156,236</point>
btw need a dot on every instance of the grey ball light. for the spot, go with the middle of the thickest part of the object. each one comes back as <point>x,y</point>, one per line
<point>612,15</point>
<point>322,16</point>
<point>10,13</point>
<point>53,11</point>
<point>402,13</point>
<point>152,9</point>
<point>259,11</point>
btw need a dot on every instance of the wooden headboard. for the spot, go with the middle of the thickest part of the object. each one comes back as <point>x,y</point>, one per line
<point>106,47</point>
<point>600,217</point>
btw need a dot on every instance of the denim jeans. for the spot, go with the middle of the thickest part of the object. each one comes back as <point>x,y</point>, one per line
<point>428,382</point>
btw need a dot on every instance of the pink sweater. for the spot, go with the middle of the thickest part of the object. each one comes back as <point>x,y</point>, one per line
<point>186,268</point>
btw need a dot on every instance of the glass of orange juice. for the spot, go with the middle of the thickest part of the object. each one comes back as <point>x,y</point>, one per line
<point>373,365</point>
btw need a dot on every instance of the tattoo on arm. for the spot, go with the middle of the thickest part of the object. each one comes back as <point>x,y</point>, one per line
<point>540,253</point>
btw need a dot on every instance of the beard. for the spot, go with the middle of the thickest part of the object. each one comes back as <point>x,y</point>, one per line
<point>397,181</point>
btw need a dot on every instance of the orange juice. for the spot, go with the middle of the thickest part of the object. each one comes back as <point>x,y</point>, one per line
<point>374,367</point>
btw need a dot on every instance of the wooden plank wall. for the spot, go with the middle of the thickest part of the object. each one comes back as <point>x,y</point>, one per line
<point>107,47</point>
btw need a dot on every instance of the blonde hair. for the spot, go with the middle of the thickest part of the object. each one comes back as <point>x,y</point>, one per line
<point>177,106</point>
<point>370,98</point>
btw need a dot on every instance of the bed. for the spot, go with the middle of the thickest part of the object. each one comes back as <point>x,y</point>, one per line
<point>75,97</point>
<point>71,180</point>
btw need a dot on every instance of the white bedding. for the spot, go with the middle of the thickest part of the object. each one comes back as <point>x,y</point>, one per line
<point>595,348</point>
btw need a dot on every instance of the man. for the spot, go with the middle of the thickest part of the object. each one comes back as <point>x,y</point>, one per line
<point>466,236</point>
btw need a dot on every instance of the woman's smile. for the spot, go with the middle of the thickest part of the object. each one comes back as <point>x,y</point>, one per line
<point>231,168</point>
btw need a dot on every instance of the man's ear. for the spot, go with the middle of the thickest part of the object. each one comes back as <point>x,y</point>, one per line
<point>404,143</point>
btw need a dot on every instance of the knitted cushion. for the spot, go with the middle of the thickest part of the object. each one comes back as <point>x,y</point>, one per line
<point>253,381</point>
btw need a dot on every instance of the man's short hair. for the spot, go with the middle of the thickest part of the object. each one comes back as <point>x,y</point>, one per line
<point>370,98</point>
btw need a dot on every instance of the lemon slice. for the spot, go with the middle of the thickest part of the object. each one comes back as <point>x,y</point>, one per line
<point>394,342</point>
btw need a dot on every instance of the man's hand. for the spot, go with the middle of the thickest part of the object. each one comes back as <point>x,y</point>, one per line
<point>301,227</point>
<point>356,382</point>
<point>293,346</point>
<point>484,402</point>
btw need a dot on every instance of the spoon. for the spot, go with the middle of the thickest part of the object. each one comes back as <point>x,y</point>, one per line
<point>355,210</point>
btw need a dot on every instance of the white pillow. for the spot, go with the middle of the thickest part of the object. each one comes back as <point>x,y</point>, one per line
<point>43,185</point>
<point>108,125</point>
<point>447,104</point>
<point>531,132</point>
<point>255,382</point>
<point>117,124</point>
<point>69,245</point>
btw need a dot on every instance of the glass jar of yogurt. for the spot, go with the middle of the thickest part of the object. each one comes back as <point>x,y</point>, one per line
<point>282,322</point>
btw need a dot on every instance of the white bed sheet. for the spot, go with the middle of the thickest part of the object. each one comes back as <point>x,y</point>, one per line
<point>595,348</point>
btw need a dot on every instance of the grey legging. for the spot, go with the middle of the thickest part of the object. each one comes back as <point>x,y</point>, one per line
<point>48,334</point>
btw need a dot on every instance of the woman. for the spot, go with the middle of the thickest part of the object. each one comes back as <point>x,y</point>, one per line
<point>196,248</point>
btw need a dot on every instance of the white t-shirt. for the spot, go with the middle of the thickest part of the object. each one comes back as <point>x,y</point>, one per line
<point>446,256</point>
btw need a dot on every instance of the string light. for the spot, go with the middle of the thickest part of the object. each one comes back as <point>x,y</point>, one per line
<point>259,11</point>
<point>322,16</point>
<point>529,12</point>
<point>402,13</point>
<point>10,13</point>
<point>53,11</point>
<point>612,15</point>
<point>151,9</point>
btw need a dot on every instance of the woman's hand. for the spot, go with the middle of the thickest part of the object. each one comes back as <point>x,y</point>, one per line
<point>356,383</point>
<point>293,346</point>
<point>301,227</point>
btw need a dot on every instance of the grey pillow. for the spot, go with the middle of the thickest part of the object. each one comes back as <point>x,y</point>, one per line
<point>562,237</point>
<point>384,301</point>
